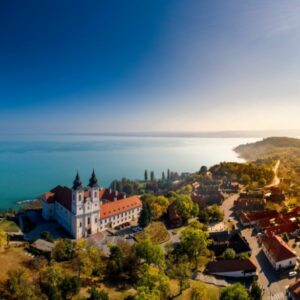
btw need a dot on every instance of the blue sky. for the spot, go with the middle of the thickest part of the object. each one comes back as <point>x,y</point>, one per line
<point>93,66</point>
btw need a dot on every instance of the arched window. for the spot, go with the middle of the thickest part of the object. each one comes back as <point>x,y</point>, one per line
<point>79,197</point>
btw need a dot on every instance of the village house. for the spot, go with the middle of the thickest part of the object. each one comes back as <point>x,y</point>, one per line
<point>83,211</point>
<point>249,204</point>
<point>293,290</point>
<point>229,186</point>
<point>232,268</point>
<point>278,253</point>
<point>221,240</point>
<point>250,218</point>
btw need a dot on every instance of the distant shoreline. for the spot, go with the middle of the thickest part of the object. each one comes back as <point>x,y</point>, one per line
<point>174,134</point>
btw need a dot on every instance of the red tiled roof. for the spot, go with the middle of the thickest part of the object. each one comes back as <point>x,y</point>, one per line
<point>294,289</point>
<point>63,195</point>
<point>231,265</point>
<point>49,197</point>
<point>119,206</point>
<point>277,248</point>
<point>255,216</point>
<point>288,228</point>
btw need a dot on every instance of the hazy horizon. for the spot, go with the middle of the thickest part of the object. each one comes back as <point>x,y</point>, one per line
<point>115,66</point>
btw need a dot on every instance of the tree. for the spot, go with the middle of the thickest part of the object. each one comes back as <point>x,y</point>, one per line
<point>63,250</point>
<point>182,272</point>
<point>51,279</point>
<point>18,286</point>
<point>149,253</point>
<point>145,216</point>
<point>45,235</point>
<point>87,259</point>
<point>70,286</point>
<point>159,205</point>
<point>193,242</point>
<point>152,283</point>
<point>163,177</point>
<point>168,175</point>
<point>245,179</point>
<point>3,238</point>
<point>236,291</point>
<point>255,291</point>
<point>215,213</point>
<point>229,253</point>
<point>97,294</point>
<point>203,170</point>
<point>186,207</point>
<point>146,175</point>
<point>285,237</point>
<point>198,294</point>
<point>152,178</point>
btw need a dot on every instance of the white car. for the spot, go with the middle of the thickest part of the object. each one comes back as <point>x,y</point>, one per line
<point>292,274</point>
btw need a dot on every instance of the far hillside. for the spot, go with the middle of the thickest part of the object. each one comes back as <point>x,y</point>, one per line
<point>285,149</point>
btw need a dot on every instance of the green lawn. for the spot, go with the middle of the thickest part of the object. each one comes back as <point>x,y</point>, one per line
<point>156,231</point>
<point>8,226</point>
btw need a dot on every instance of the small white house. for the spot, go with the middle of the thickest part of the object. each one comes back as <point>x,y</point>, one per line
<point>279,254</point>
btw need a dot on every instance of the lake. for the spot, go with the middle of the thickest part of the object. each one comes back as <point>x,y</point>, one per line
<point>31,165</point>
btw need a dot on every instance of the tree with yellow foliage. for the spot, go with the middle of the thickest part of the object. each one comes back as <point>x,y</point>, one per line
<point>3,238</point>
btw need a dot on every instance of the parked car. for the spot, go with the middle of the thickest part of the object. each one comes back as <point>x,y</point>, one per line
<point>292,274</point>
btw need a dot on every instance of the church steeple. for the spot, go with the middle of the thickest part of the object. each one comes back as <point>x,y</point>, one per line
<point>77,185</point>
<point>93,180</point>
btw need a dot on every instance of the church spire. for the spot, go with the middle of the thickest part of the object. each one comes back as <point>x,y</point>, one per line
<point>77,182</point>
<point>93,180</point>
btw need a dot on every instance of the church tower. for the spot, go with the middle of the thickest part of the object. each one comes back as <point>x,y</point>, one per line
<point>77,195</point>
<point>94,208</point>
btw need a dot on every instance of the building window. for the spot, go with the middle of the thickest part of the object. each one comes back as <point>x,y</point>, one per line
<point>89,220</point>
<point>95,220</point>
<point>80,224</point>
<point>79,197</point>
<point>95,194</point>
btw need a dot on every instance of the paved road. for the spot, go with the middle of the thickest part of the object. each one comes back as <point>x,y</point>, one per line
<point>273,285</point>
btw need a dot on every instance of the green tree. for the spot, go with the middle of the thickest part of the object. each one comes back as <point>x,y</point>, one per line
<point>203,170</point>
<point>255,291</point>
<point>215,213</point>
<point>146,215</point>
<point>229,253</point>
<point>45,235</point>
<point>63,250</point>
<point>152,254</point>
<point>69,286</point>
<point>193,243</point>
<point>146,175</point>
<point>152,178</point>
<point>186,207</point>
<point>97,294</point>
<point>182,272</point>
<point>168,175</point>
<point>87,259</point>
<point>18,286</point>
<point>236,291</point>
<point>163,177</point>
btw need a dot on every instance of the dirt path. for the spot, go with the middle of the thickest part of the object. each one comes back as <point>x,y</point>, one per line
<point>276,179</point>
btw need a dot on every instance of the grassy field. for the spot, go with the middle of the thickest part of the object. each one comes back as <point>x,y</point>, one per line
<point>156,231</point>
<point>12,259</point>
<point>8,226</point>
<point>211,292</point>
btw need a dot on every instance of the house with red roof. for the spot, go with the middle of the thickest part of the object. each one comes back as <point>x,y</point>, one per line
<point>232,268</point>
<point>293,290</point>
<point>278,253</point>
<point>83,211</point>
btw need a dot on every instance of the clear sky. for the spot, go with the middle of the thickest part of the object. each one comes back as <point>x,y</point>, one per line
<point>157,65</point>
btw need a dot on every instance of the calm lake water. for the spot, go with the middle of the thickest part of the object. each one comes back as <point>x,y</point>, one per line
<point>31,165</point>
